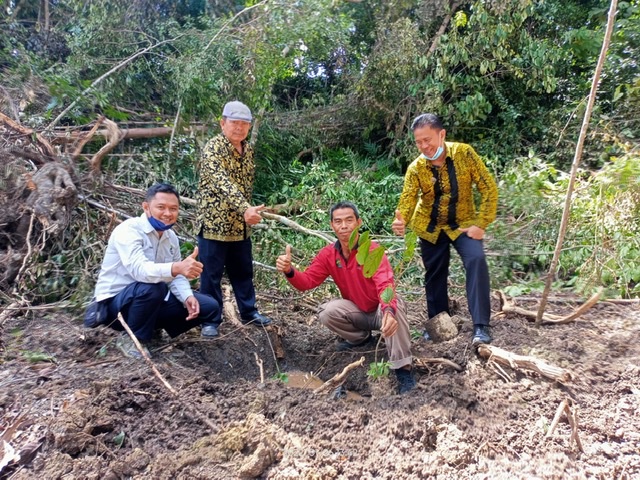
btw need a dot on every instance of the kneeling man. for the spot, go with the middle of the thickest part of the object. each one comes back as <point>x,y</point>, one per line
<point>144,277</point>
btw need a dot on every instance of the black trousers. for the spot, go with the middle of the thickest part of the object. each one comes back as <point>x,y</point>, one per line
<point>436,259</point>
<point>237,259</point>
<point>147,307</point>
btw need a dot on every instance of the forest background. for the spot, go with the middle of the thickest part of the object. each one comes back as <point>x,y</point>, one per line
<point>333,86</point>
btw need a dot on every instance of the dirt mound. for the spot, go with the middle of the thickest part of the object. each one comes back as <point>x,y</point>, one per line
<point>73,407</point>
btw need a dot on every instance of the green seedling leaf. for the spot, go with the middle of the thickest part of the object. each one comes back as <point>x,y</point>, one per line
<point>410,240</point>
<point>119,439</point>
<point>372,262</point>
<point>363,248</point>
<point>378,370</point>
<point>352,239</point>
<point>281,377</point>
<point>102,352</point>
<point>387,295</point>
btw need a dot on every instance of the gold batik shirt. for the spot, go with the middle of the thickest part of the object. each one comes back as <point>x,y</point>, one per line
<point>436,199</point>
<point>225,189</point>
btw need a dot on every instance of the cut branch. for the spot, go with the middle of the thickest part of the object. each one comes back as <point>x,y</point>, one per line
<point>422,363</point>
<point>508,307</point>
<point>340,378</point>
<point>86,138</point>
<point>524,363</point>
<point>296,226</point>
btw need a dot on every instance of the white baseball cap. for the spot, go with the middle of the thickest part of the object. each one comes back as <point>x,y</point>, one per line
<point>237,111</point>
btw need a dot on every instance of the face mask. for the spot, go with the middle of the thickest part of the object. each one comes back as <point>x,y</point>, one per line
<point>158,225</point>
<point>435,155</point>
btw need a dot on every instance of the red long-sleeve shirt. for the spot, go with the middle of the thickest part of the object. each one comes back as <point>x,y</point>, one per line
<point>348,275</point>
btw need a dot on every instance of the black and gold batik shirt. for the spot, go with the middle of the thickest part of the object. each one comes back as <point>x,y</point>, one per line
<point>436,199</point>
<point>225,189</point>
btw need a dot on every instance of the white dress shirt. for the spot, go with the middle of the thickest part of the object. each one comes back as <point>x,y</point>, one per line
<point>136,253</point>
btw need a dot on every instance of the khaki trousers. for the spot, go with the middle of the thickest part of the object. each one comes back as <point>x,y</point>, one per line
<point>352,324</point>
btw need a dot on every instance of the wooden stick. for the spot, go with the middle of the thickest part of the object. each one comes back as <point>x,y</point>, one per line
<point>556,418</point>
<point>260,364</point>
<point>572,416</point>
<point>526,363</point>
<point>86,138</point>
<point>28,132</point>
<point>422,363</point>
<point>340,378</point>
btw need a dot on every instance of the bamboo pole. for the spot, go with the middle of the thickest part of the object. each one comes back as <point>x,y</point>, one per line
<point>576,160</point>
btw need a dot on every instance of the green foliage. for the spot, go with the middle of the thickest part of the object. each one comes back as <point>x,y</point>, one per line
<point>118,440</point>
<point>378,370</point>
<point>281,377</point>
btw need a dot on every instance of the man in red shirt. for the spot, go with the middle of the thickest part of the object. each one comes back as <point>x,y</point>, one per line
<point>361,309</point>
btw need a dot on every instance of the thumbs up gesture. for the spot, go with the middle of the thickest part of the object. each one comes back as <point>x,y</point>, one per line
<point>190,267</point>
<point>398,225</point>
<point>283,262</point>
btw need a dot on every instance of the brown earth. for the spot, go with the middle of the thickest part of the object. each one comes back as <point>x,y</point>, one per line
<point>73,407</point>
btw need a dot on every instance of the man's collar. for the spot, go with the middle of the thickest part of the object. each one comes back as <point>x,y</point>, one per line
<point>146,226</point>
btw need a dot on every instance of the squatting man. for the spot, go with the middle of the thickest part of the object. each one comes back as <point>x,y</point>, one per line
<point>361,308</point>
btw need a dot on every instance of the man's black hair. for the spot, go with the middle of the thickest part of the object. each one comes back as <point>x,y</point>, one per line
<point>427,120</point>
<point>160,188</point>
<point>343,204</point>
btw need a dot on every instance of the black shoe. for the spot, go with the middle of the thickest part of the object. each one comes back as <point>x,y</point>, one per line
<point>481,335</point>
<point>209,330</point>
<point>344,345</point>
<point>406,380</point>
<point>94,315</point>
<point>257,319</point>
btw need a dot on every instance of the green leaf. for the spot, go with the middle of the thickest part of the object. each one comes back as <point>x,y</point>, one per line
<point>387,294</point>
<point>363,248</point>
<point>119,439</point>
<point>372,261</point>
<point>410,240</point>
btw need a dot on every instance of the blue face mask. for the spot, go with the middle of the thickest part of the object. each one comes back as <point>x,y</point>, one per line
<point>158,225</point>
<point>437,154</point>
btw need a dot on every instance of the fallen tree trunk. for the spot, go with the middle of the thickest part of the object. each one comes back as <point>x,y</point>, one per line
<point>524,363</point>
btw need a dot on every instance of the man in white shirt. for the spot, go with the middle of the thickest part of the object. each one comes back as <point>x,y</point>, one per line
<point>144,278</point>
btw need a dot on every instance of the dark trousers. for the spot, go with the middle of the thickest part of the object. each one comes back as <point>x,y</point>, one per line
<point>237,259</point>
<point>436,261</point>
<point>144,308</point>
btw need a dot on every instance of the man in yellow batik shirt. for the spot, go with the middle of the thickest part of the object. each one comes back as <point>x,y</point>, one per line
<point>437,203</point>
<point>225,216</point>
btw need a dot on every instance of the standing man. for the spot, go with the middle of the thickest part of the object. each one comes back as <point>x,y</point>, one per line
<point>144,278</point>
<point>438,204</point>
<point>360,309</point>
<point>225,216</point>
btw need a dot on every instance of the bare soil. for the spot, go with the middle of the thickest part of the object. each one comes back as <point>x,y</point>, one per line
<point>73,407</point>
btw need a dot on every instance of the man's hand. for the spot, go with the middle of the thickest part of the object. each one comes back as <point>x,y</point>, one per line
<point>474,232</point>
<point>283,262</point>
<point>189,267</point>
<point>252,215</point>
<point>389,325</point>
<point>193,307</point>
<point>398,225</point>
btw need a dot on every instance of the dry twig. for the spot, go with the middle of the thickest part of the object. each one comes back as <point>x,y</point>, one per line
<point>340,378</point>
<point>509,307</point>
<point>260,364</point>
<point>422,363</point>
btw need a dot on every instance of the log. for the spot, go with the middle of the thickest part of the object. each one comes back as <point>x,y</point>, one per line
<point>340,378</point>
<point>524,363</point>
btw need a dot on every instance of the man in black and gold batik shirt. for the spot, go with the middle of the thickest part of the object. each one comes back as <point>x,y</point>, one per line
<point>225,215</point>
<point>437,203</point>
